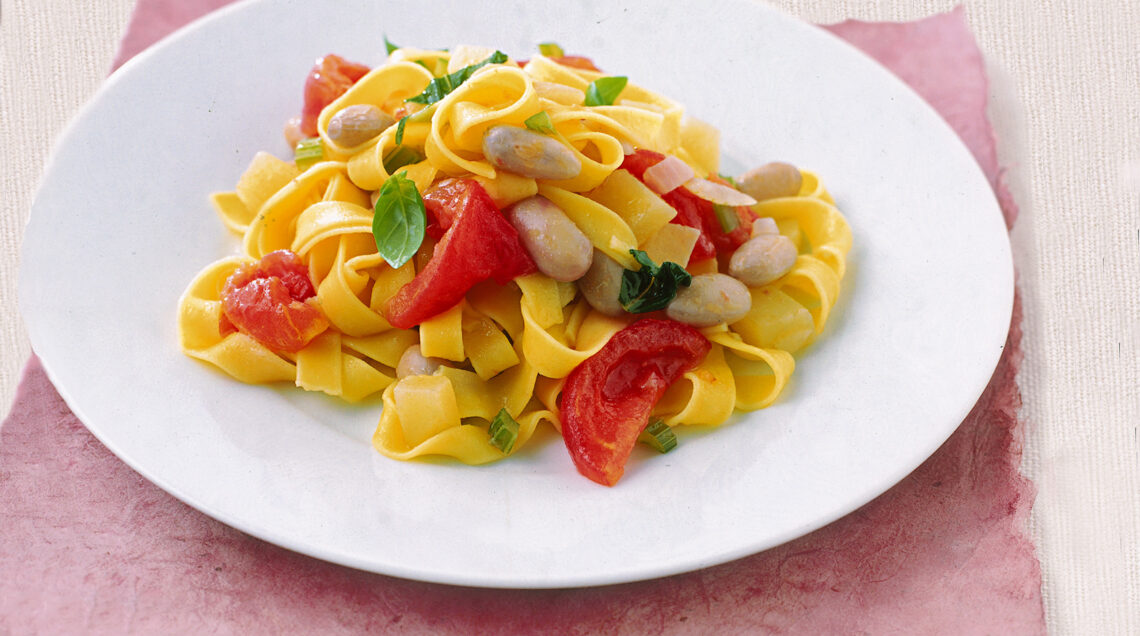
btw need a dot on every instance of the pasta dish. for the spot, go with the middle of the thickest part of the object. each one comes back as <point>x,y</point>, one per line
<point>493,246</point>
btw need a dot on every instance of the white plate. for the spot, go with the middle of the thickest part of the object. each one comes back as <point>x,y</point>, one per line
<point>121,224</point>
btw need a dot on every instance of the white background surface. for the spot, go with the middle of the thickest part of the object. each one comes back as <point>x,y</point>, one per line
<point>1066,84</point>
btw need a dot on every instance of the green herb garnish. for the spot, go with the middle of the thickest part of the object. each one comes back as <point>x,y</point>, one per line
<point>659,435</point>
<point>605,90</point>
<point>388,45</point>
<point>399,157</point>
<point>726,214</point>
<point>504,431</point>
<point>398,225</point>
<point>651,287</point>
<point>308,152</point>
<point>540,122</point>
<point>550,49</point>
<point>422,116</point>
<point>441,86</point>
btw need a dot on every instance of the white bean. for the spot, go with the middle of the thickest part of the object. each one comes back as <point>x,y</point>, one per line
<point>710,300</point>
<point>413,362</point>
<point>602,284</point>
<point>762,259</point>
<point>558,247</point>
<point>771,181</point>
<point>530,154</point>
<point>356,124</point>
<point>764,225</point>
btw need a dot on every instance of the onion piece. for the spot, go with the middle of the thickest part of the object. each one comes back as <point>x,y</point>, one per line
<point>667,174</point>
<point>717,193</point>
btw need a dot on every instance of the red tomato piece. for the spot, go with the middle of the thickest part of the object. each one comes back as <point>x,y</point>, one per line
<point>272,301</point>
<point>477,243</point>
<point>607,399</point>
<point>331,76</point>
<point>695,212</point>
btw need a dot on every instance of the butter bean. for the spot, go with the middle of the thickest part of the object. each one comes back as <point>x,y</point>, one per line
<point>356,124</point>
<point>764,225</point>
<point>602,284</point>
<point>558,247</point>
<point>771,181</point>
<point>762,259</point>
<point>710,300</point>
<point>413,362</point>
<point>530,154</point>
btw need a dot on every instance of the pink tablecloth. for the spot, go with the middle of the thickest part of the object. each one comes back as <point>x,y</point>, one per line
<point>88,545</point>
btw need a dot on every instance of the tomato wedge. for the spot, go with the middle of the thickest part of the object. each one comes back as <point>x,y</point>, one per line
<point>607,399</point>
<point>330,77</point>
<point>695,212</point>
<point>477,243</point>
<point>272,301</point>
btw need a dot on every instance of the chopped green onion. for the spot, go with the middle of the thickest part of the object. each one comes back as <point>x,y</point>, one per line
<point>308,152</point>
<point>504,431</point>
<point>540,122</point>
<point>388,45</point>
<point>727,216</point>
<point>659,436</point>
<point>604,91</point>
<point>727,178</point>
<point>550,49</point>
<point>441,86</point>
<point>399,157</point>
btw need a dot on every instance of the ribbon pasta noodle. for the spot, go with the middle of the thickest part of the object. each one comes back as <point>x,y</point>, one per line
<point>502,347</point>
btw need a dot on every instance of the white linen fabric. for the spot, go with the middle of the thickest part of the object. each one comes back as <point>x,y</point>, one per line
<point>1064,95</point>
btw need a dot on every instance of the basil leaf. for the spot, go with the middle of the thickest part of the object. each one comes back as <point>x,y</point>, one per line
<point>403,123</point>
<point>604,90</point>
<point>399,157</point>
<point>388,45</point>
<point>504,431</point>
<point>441,86</point>
<point>420,117</point>
<point>550,49</point>
<point>398,225</point>
<point>540,122</point>
<point>652,287</point>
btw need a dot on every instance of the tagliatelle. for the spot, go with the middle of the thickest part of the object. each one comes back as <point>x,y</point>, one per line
<point>504,347</point>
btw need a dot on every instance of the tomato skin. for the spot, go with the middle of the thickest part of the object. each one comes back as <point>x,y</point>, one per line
<point>695,212</point>
<point>477,243</point>
<point>330,77</point>
<point>272,302</point>
<point>607,399</point>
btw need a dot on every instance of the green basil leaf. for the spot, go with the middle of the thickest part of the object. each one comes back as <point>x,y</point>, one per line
<point>441,86</point>
<point>604,90</point>
<point>550,49</point>
<point>403,123</point>
<point>399,222</point>
<point>540,122</point>
<point>504,431</point>
<point>651,287</point>
<point>399,157</point>
<point>388,45</point>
